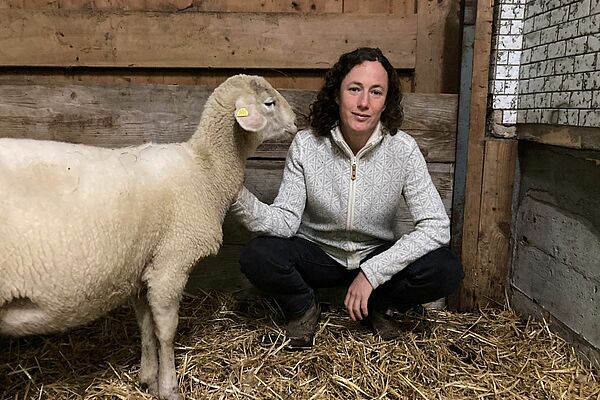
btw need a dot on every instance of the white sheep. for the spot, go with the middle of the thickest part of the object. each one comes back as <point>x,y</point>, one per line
<point>83,229</point>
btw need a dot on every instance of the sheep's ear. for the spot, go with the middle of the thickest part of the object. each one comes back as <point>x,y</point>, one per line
<point>248,116</point>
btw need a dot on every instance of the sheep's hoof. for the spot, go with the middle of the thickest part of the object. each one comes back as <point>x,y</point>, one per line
<point>150,385</point>
<point>174,395</point>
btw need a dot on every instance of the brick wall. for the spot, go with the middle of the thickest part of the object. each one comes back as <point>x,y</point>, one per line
<point>546,63</point>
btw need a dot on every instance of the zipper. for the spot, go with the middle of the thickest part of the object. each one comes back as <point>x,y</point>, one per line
<point>351,194</point>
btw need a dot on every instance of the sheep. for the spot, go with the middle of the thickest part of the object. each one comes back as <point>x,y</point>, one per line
<point>83,229</point>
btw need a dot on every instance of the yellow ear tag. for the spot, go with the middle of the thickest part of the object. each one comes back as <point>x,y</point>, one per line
<point>242,112</point>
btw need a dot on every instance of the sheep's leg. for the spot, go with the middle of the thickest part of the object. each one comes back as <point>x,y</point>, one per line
<point>149,362</point>
<point>164,293</point>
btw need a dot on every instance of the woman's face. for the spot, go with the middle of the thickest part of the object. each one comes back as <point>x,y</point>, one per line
<point>362,98</point>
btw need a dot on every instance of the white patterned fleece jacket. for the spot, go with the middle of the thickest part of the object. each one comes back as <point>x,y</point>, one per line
<point>348,204</point>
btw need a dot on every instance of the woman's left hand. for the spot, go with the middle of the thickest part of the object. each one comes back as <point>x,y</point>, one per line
<point>357,297</point>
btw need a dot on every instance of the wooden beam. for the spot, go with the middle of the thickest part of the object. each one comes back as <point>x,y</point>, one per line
<point>475,150</point>
<point>574,137</point>
<point>488,278</point>
<point>198,40</point>
<point>117,116</point>
<point>438,61</point>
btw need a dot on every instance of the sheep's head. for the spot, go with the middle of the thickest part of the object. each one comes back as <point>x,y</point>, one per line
<point>261,109</point>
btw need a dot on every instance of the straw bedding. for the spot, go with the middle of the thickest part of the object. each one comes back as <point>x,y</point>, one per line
<point>233,349</point>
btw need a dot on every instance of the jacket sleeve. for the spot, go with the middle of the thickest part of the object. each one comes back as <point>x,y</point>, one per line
<point>282,218</point>
<point>432,225</point>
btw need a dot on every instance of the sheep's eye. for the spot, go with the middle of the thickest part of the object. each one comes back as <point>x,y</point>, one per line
<point>269,102</point>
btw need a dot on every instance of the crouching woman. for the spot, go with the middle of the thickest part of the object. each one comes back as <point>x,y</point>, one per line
<point>333,220</point>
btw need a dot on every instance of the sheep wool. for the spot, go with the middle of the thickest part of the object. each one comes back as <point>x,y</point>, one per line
<point>83,229</point>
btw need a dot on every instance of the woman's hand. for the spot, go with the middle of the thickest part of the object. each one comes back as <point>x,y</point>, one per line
<point>357,298</point>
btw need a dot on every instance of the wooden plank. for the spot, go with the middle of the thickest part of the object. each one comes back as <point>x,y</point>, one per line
<point>487,279</point>
<point>181,5</point>
<point>117,116</point>
<point>318,6</point>
<point>198,40</point>
<point>438,61</point>
<point>305,79</point>
<point>475,149</point>
<point>396,7</point>
<point>574,137</point>
<point>263,178</point>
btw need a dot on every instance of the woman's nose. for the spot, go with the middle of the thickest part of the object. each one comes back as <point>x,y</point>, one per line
<point>363,100</point>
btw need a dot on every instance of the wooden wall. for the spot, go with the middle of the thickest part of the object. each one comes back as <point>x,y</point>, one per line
<point>115,73</point>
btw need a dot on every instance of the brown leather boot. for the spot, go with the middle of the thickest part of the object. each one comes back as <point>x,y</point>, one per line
<point>384,326</point>
<point>301,330</point>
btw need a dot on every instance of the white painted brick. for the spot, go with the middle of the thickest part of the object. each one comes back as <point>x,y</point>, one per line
<point>509,42</point>
<point>504,27</point>
<point>542,100</point>
<point>534,116</point>
<point>531,39</point>
<point>545,68</point>
<point>509,117</point>
<point>516,27</point>
<point>576,46</point>
<point>514,57</point>
<point>596,99</point>
<point>564,65</point>
<point>568,117</point>
<point>507,72</point>
<point>497,87</point>
<point>568,30</point>
<point>591,80</point>
<point>585,63</point>
<point>501,57</point>
<point>560,100</point>
<point>549,35</point>
<point>533,8</point>
<point>589,118</point>
<point>539,53</point>
<point>589,25</point>
<point>549,116</point>
<point>593,43</point>
<point>511,11</point>
<point>536,85</point>
<point>523,86</point>
<point>559,15</point>
<point>541,21</point>
<point>526,101</point>
<point>521,114</point>
<point>579,9</point>
<point>557,49</point>
<point>503,102</point>
<point>553,83</point>
<point>572,82</point>
<point>526,57</point>
<point>581,99</point>
<point>595,7</point>
<point>511,87</point>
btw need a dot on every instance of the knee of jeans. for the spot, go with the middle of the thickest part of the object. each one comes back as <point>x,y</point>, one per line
<point>251,257</point>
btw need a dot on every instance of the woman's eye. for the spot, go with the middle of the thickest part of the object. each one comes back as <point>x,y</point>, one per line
<point>377,92</point>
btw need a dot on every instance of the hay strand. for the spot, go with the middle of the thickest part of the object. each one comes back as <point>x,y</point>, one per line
<point>235,349</point>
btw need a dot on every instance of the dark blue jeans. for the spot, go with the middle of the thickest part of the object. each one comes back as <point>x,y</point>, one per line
<point>290,270</point>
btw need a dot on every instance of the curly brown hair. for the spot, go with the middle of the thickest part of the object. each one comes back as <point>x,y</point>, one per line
<point>324,111</point>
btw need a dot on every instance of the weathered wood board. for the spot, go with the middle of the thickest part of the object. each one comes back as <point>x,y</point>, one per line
<point>96,38</point>
<point>117,116</point>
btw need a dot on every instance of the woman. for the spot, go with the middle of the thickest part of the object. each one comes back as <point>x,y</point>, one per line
<point>332,222</point>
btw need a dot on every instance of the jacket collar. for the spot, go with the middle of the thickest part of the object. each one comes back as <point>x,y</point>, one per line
<point>374,139</point>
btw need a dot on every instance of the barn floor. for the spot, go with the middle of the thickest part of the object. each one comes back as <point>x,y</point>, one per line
<point>221,355</point>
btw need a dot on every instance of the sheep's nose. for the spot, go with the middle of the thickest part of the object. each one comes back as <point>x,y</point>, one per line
<point>292,129</point>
